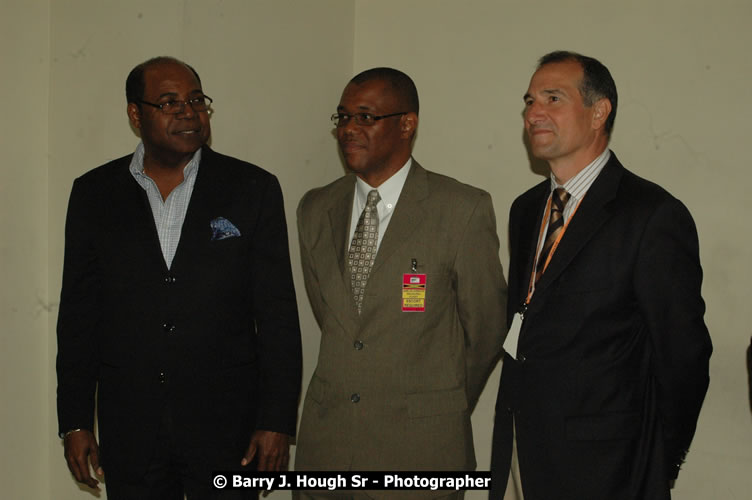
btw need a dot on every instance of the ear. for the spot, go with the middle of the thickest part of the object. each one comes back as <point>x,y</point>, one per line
<point>408,125</point>
<point>134,115</point>
<point>601,110</point>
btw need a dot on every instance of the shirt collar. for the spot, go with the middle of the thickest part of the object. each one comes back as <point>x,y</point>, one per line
<point>137,163</point>
<point>578,185</point>
<point>389,190</point>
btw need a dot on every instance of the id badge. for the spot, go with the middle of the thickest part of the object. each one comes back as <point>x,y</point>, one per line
<point>513,336</point>
<point>413,293</point>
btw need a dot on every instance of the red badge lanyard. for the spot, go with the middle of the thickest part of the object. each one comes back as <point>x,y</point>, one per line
<point>531,286</point>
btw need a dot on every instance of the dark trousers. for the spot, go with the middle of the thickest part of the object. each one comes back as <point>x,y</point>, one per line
<point>173,475</point>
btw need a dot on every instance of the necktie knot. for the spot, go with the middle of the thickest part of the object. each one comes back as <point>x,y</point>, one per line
<point>560,199</point>
<point>373,198</point>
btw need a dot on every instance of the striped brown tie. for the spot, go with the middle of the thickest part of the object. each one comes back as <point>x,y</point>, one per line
<point>559,200</point>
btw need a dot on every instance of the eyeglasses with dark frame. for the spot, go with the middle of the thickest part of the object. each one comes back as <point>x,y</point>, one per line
<point>363,119</point>
<point>198,104</point>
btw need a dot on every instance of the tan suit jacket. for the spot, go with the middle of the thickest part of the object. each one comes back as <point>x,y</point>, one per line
<point>393,390</point>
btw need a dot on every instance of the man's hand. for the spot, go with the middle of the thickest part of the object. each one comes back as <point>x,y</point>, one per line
<point>272,448</point>
<point>80,448</point>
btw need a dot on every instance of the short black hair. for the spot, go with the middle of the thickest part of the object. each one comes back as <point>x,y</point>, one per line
<point>596,84</point>
<point>403,85</point>
<point>134,84</point>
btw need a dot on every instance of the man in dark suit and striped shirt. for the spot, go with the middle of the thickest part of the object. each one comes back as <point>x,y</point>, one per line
<point>177,309</point>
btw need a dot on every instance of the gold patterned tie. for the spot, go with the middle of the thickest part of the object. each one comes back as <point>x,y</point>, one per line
<point>559,200</point>
<point>363,247</point>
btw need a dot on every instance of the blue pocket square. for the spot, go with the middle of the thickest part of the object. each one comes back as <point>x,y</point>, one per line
<point>223,228</point>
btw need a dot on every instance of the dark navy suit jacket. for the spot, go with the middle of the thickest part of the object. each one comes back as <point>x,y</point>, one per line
<point>612,364</point>
<point>215,339</point>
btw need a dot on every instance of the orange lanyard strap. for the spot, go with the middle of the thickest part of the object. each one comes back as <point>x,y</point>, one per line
<point>547,213</point>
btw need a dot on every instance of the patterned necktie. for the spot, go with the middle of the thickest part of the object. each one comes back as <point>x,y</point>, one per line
<point>363,247</point>
<point>559,200</point>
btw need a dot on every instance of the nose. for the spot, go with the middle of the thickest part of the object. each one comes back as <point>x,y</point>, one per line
<point>187,111</point>
<point>533,112</point>
<point>348,129</point>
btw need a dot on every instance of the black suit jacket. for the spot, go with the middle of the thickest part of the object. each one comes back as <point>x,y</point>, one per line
<point>215,339</point>
<point>612,364</point>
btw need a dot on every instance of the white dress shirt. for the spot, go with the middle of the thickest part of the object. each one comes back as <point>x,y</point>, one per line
<point>389,191</point>
<point>168,214</point>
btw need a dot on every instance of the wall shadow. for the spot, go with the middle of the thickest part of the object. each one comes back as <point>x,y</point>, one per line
<point>749,372</point>
<point>537,166</point>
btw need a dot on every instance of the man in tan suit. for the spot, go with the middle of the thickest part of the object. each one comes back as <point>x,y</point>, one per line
<point>402,269</point>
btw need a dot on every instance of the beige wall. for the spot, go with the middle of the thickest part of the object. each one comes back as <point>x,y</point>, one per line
<point>276,69</point>
<point>24,309</point>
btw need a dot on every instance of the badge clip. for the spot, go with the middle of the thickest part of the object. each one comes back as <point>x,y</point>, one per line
<point>414,290</point>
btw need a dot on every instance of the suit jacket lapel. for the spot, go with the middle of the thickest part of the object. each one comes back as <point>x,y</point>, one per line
<point>207,192</point>
<point>406,217</point>
<point>529,224</point>
<point>340,215</point>
<point>591,214</point>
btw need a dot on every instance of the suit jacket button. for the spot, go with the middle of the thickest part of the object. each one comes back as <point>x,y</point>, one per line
<point>521,358</point>
<point>169,328</point>
<point>170,279</point>
<point>358,345</point>
<point>162,377</point>
<point>355,397</point>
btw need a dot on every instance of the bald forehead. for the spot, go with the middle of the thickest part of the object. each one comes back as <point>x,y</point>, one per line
<point>160,76</point>
<point>376,87</point>
<point>168,68</point>
<point>552,77</point>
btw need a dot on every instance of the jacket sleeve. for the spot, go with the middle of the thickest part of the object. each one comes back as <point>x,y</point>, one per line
<point>276,314</point>
<point>78,318</point>
<point>667,281</point>
<point>481,296</point>
<point>309,273</point>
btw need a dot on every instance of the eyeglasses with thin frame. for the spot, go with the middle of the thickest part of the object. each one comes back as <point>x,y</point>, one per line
<point>198,104</point>
<point>362,119</point>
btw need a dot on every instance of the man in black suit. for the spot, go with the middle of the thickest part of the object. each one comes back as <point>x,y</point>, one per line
<point>177,308</point>
<point>607,361</point>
